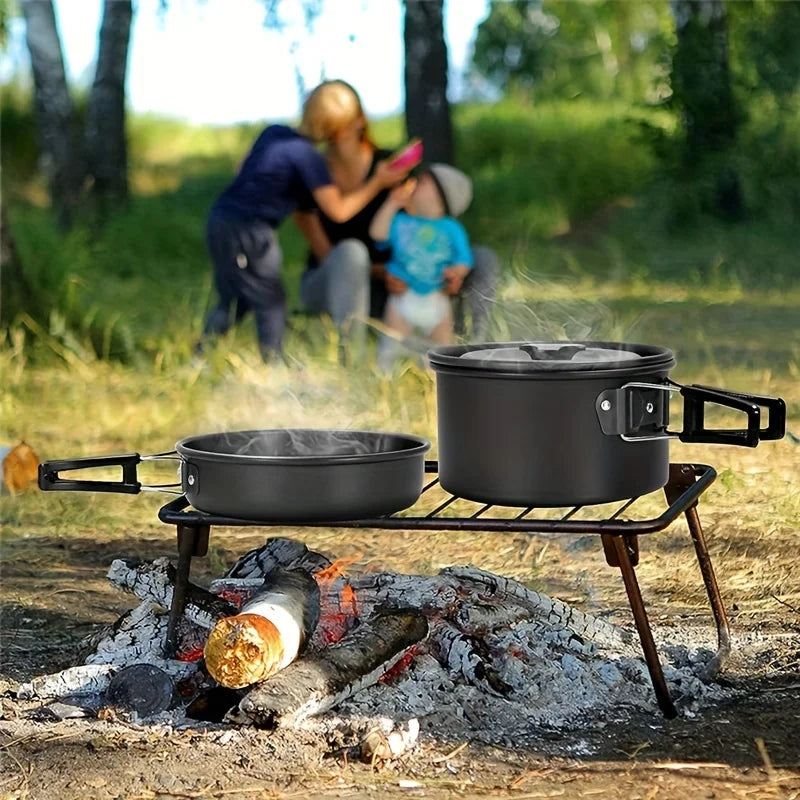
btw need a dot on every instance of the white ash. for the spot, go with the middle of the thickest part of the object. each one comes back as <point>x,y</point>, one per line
<point>138,639</point>
<point>553,687</point>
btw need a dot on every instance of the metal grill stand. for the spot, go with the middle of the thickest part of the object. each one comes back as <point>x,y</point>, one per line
<point>619,538</point>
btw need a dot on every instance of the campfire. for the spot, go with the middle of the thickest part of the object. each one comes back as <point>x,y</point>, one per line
<point>288,638</point>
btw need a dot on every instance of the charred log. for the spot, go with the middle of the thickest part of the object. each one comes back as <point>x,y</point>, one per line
<point>464,656</point>
<point>142,688</point>
<point>85,679</point>
<point>277,552</point>
<point>321,681</point>
<point>155,581</point>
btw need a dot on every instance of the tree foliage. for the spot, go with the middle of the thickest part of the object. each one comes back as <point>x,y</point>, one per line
<point>560,48</point>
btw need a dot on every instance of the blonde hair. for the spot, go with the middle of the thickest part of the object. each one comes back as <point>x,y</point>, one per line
<point>331,106</point>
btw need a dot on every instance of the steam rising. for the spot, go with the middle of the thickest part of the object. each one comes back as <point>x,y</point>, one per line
<point>553,353</point>
<point>302,443</point>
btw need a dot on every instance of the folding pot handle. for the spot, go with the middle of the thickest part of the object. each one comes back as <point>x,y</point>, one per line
<point>50,481</point>
<point>695,398</point>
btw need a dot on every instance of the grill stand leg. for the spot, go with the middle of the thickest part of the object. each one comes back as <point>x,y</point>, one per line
<point>681,477</point>
<point>622,558</point>
<point>192,541</point>
<point>714,596</point>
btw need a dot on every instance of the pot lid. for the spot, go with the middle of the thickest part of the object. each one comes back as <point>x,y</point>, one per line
<point>559,356</point>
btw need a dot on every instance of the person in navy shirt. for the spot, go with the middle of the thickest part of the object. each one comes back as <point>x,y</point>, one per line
<point>283,174</point>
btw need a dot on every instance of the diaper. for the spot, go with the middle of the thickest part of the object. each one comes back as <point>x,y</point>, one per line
<point>424,311</point>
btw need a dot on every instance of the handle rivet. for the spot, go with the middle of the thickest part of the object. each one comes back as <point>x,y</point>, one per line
<point>190,480</point>
<point>649,408</point>
<point>606,405</point>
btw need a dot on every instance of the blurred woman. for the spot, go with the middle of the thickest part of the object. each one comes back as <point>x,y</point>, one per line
<point>283,174</point>
<point>346,271</point>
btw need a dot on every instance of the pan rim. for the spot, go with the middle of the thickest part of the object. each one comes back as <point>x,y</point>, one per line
<point>418,445</point>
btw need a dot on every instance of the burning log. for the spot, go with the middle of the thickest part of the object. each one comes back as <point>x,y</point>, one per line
<point>476,602</point>
<point>323,680</point>
<point>272,628</point>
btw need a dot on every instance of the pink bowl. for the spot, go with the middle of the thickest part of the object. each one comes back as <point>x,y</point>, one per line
<point>408,157</point>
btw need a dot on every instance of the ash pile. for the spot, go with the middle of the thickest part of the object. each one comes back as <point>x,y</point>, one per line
<point>288,639</point>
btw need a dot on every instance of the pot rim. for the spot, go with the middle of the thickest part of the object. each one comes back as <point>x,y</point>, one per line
<point>448,358</point>
<point>412,445</point>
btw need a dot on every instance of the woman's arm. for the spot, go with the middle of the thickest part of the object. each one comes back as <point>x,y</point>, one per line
<point>313,232</point>
<point>340,207</point>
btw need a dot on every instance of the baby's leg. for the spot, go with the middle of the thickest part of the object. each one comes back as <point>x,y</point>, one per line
<point>394,319</point>
<point>390,347</point>
<point>442,332</point>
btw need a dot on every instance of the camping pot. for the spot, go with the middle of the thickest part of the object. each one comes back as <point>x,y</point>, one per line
<point>571,423</point>
<point>303,475</point>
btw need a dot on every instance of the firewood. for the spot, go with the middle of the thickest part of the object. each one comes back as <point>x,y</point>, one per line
<point>155,581</point>
<point>86,679</point>
<point>321,681</point>
<point>277,552</point>
<point>269,632</point>
<point>461,654</point>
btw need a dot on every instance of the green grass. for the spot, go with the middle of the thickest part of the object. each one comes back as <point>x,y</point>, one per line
<point>571,195</point>
<point>565,192</point>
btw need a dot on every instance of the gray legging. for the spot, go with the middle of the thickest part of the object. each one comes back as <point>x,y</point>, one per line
<point>339,286</point>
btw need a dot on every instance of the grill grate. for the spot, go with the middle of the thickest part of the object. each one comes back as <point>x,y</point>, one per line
<point>476,516</point>
<point>619,535</point>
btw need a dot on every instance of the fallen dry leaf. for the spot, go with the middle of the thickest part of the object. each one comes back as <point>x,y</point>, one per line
<point>20,468</point>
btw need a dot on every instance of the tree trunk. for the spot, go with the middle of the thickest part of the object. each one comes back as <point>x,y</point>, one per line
<point>59,143</point>
<point>427,109</point>
<point>701,84</point>
<point>105,121</point>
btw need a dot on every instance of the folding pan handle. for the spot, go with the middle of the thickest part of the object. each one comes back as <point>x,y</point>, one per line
<point>695,398</point>
<point>50,481</point>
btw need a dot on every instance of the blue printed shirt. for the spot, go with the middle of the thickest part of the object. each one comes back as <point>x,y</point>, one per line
<point>422,248</point>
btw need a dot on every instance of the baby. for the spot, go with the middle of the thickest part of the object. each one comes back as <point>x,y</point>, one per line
<point>430,256</point>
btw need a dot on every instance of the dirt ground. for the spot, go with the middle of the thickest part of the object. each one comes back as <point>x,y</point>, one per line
<point>55,593</point>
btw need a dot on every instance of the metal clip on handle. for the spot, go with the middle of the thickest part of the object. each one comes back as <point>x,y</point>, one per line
<point>50,481</point>
<point>614,410</point>
<point>695,398</point>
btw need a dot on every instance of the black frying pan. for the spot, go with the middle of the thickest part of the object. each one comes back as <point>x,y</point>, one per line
<point>284,474</point>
